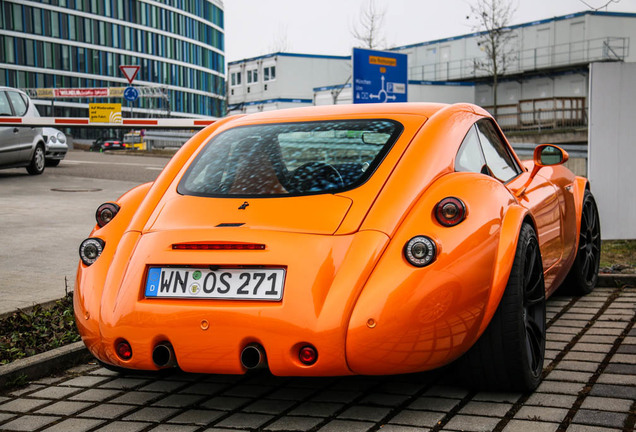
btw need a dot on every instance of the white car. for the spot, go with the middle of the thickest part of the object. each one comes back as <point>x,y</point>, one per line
<point>20,146</point>
<point>56,146</point>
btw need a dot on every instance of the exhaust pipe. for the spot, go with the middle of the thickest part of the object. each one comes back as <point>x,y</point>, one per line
<point>163,355</point>
<point>253,356</point>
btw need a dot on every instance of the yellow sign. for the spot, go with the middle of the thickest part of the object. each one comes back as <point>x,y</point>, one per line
<point>382,61</point>
<point>104,112</point>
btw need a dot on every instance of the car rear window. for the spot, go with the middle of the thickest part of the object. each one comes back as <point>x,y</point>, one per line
<point>290,158</point>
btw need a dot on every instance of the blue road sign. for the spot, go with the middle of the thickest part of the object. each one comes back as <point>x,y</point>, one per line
<point>131,94</point>
<point>379,76</point>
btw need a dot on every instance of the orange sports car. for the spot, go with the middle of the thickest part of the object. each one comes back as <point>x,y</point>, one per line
<point>361,239</point>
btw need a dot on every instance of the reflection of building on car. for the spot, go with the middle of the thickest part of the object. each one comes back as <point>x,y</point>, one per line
<point>135,140</point>
<point>56,145</point>
<point>353,239</point>
<point>20,146</point>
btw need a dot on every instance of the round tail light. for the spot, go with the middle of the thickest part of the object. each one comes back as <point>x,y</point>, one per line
<point>308,355</point>
<point>90,250</point>
<point>123,349</point>
<point>450,211</point>
<point>420,251</point>
<point>105,213</point>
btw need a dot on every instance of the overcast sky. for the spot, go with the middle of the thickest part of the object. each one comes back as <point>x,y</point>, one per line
<point>257,27</point>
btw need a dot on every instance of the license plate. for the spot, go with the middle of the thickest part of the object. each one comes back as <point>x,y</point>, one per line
<point>223,283</point>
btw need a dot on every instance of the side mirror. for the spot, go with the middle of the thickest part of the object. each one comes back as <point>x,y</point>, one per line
<point>548,154</point>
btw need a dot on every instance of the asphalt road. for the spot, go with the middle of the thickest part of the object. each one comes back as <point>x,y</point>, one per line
<point>44,218</point>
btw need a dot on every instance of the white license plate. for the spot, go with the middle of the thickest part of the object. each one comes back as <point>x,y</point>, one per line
<point>222,283</point>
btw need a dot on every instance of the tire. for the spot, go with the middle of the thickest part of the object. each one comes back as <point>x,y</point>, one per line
<point>509,355</point>
<point>52,162</point>
<point>38,162</point>
<point>583,275</point>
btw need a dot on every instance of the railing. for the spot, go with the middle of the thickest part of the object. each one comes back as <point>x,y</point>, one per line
<point>544,113</point>
<point>601,49</point>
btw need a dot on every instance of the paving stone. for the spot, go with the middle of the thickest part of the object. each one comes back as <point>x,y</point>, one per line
<point>244,420</point>
<point>64,408</point>
<point>569,376</point>
<point>626,348</point>
<point>346,426</point>
<point>497,397</point>
<point>515,425</point>
<point>400,428</point>
<point>84,381</point>
<point>565,330</point>
<point>104,372</point>
<point>49,380</point>
<point>364,413</point>
<point>551,400</point>
<point>251,390</point>
<point>434,404</point>
<point>107,411</point>
<point>173,428</point>
<point>269,406</point>
<point>548,386</point>
<point>163,386</point>
<point>610,324</point>
<point>541,414</point>
<point>447,391</point>
<point>404,388</point>
<point>551,354</point>
<point>606,378</point>
<point>555,345</point>
<point>417,418</point>
<point>124,383</point>
<point>336,396</point>
<point>26,390</point>
<point>55,392</point>
<point>617,391</point>
<point>618,368</point>
<point>600,418</point>
<point>82,369</point>
<point>290,394</point>
<point>606,331</point>
<point>198,417</point>
<point>318,409</point>
<point>5,416</point>
<point>584,356</point>
<point>624,358</point>
<point>120,426</point>
<point>29,423</point>
<point>225,403</point>
<point>151,414</point>
<point>203,388</point>
<point>136,398</point>
<point>95,395</point>
<point>607,404</point>
<point>488,409</point>
<point>294,424</point>
<point>362,383</point>
<point>472,423</point>
<point>384,399</point>
<point>573,365</point>
<point>23,405</point>
<point>179,400</point>
<point>592,347</point>
<point>558,337</point>
<point>75,425</point>
<point>586,428</point>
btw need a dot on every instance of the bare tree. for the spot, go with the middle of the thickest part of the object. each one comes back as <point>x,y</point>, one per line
<point>368,31</point>
<point>280,43</point>
<point>492,18</point>
<point>604,6</point>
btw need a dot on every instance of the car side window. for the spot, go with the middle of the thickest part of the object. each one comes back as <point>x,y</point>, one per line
<point>470,158</point>
<point>499,160</point>
<point>5,108</point>
<point>19,106</point>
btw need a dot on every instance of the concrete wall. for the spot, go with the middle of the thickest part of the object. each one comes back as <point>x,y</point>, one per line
<point>612,146</point>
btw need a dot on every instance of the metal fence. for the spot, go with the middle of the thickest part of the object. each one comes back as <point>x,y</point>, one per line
<point>542,113</point>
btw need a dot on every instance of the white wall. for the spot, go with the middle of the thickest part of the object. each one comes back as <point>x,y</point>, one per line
<point>612,146</point>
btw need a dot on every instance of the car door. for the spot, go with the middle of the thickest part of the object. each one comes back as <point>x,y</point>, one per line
<point>9,136</point>
<point>24,136</point>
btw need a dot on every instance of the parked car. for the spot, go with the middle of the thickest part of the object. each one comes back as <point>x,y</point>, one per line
<point>20,146</point>
<point>107,143</point>
<point>56,146</point>
<point>361,239</point>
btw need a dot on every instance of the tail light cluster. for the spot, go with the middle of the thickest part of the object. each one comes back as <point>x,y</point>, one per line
<point>105,213</point>
<point>450,211</point>
<point>91,249</point>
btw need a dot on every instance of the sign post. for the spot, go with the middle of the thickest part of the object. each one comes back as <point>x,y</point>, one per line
<point>379,76</point>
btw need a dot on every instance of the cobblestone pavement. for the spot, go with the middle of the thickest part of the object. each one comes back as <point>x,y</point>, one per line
<point>589,385</point>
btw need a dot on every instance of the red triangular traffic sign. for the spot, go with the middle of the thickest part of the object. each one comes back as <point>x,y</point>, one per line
<point>129,71</point>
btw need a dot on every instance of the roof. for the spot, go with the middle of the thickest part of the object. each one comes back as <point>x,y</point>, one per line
<point>286,54</point>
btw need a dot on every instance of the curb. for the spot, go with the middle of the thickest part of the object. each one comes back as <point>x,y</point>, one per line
<point>43,364</point>
<point>616,280</point>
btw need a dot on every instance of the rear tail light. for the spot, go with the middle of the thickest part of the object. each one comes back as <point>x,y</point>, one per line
<point>105,213</point>
<point>308,355</point>
<point>123,349</point>
<point>450,211</point>
<point>90,250</point>
<point>218,246</point>
<point>420,251</point>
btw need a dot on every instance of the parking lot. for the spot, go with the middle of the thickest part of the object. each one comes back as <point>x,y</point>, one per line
<point>589,385</point>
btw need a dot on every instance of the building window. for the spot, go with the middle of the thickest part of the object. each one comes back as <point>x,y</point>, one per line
<point>235,79</point>
<point>269,73</point>
<point>252,76</point>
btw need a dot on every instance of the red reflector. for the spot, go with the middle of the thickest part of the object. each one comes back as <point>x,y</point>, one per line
<point>308,355</point>
<point>124,350</point>
<point>218,246</point>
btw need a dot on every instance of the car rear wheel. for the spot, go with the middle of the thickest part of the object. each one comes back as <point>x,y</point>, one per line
<point>37,161</point>
<point>584,272</point>
<point>510,353</point>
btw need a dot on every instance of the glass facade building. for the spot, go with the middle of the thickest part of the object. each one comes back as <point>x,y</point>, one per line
<point>178,44</point>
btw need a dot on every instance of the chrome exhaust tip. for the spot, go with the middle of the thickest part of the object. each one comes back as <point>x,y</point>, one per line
<point>253,356</point>
<point>163,355</point>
